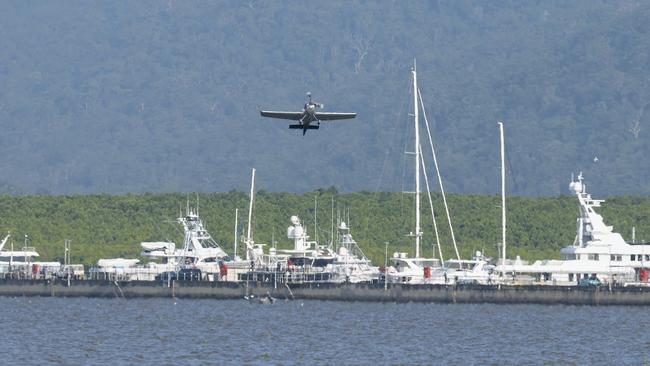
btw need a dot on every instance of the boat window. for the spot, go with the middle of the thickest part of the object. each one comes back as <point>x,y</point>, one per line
<point>593,257</point>
<point>632,257</point>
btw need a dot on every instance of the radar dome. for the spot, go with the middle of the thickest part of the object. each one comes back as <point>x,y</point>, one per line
<point>575,187</point>
<point>295,220</point>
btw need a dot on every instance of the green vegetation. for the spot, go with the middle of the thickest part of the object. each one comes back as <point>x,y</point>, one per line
<point>163,96</point>
<point>105,226</point>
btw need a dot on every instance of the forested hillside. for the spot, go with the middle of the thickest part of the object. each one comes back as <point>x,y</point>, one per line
<point>163,96</point>
<point>107,226</point>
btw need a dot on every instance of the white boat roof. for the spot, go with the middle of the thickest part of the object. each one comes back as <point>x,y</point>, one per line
<point>117,262</point>
<point>18,253</point>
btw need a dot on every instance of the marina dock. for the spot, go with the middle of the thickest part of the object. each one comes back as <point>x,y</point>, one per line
<point>502,294</point>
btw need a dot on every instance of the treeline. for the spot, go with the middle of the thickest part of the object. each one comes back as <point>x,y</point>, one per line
<point>106,226</point>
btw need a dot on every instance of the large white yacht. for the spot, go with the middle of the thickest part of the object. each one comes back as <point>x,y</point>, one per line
<point>309,261</point>
<point>597,251</point>
<point>199,250</point>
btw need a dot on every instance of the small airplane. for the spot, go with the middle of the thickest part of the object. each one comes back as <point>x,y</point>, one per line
<point>308,116</point>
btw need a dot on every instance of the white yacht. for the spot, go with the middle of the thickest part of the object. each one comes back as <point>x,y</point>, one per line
<point>350,262</point>
<point>199,250</point>
<point>477,270</point>
<point>408,270</point>
<point>597,251</point>
<point>24,262</point>
<point>307,261</point>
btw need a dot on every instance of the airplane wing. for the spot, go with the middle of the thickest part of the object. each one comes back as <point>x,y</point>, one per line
<point>283,115</point>
<point>328,116</point>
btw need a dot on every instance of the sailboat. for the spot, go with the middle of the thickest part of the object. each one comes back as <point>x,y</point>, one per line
<point>422,270</point>
<point>405,269</point>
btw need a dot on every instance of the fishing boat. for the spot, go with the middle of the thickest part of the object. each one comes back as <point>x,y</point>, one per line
<point>198,251</point>
<point>350,262</point>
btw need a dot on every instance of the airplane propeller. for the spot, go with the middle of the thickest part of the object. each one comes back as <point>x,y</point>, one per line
<point>319,105</point>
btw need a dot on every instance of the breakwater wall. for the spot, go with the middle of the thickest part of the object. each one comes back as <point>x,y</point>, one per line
<point>507,294</point>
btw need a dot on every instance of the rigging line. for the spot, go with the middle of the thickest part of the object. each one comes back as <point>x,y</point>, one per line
<point>435,162</point>
<point>159,229</point>
<point>512,175</point>
<point>389,148</point>
<point>433,216</point>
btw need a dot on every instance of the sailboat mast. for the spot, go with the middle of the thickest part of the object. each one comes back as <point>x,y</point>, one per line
<point>250,213</point>
<point>236,219</point>
<point>416,123</point>
<point>503,194</point>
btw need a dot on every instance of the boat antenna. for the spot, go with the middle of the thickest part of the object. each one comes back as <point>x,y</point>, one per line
<point>273,237</point>
<point>349,224</point>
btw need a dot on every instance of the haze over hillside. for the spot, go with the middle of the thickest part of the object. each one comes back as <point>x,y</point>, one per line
<point>165,95</point>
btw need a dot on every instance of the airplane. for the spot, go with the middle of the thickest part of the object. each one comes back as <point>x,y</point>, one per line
<point>308,116</point>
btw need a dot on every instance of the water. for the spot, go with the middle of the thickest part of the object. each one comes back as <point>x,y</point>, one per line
<point>87,331</point>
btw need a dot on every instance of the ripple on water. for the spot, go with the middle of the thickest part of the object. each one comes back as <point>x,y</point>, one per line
<point>196,332</point>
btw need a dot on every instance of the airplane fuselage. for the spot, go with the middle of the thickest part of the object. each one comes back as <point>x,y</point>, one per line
<point>309,114</point>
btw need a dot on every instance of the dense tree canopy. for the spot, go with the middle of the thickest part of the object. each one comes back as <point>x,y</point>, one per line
<point>163,96</point>
<point>107,226</point>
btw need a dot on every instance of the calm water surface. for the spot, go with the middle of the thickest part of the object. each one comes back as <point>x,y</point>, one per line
<point>41,331</point>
